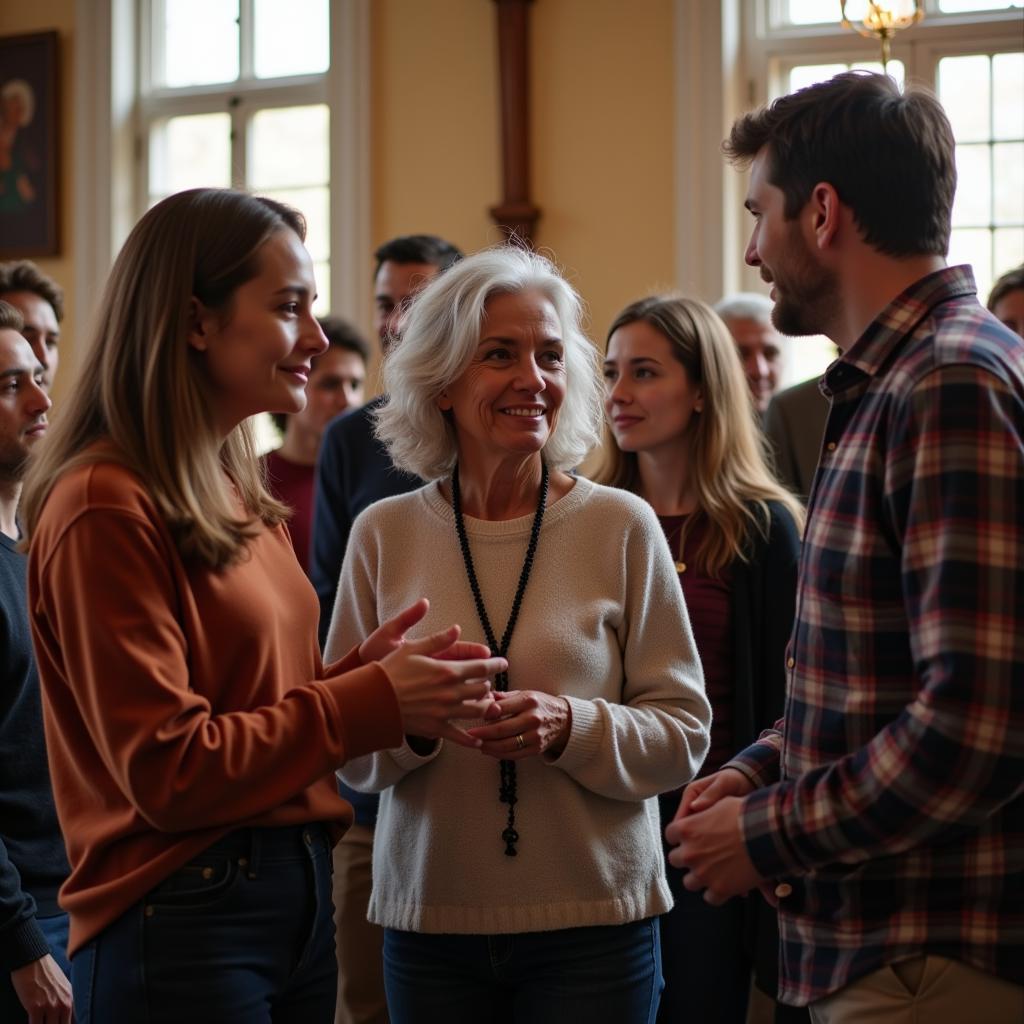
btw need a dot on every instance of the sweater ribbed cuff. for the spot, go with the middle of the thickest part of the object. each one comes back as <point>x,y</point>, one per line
<point>585,736</point>
<point>22,944</point>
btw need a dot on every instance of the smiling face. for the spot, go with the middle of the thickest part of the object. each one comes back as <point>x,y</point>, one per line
<point>806,294</point>
<point>650,398</point>
<point>257,353</point>
<point>23,404</point>
<point>507,399</point>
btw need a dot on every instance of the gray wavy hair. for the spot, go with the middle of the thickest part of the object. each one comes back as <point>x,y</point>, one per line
<point>441,334</point>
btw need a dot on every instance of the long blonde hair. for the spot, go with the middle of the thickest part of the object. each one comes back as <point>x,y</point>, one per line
<point>728,454</point>
<point>144,389</point>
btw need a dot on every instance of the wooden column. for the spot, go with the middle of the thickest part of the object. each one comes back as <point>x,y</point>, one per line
<point>515,214</point>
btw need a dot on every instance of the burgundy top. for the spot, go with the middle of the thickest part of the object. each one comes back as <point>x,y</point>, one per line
<point>709,602</point>
<point>293,484</point>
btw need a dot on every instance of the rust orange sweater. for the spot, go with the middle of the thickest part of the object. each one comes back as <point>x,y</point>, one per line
<point>180,702</point>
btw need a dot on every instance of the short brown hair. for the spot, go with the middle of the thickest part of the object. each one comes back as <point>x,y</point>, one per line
<point>10,318</point>
<point>25,276</point>
<point>889,155</point>
<point>1011,281</point>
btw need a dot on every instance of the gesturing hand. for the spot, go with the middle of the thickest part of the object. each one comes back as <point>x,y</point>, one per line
<point>527,723</point>
<point>437,679</point>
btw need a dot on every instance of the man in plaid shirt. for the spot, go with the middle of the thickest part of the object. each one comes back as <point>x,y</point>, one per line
<point>884,814</point>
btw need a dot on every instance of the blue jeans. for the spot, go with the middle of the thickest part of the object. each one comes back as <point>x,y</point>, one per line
<point>602,975</point>
<point>55,931</point>
<point>242,933</point>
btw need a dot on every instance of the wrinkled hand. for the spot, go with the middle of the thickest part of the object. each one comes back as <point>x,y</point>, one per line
<point>44,991</point>
<point>437,679</point>
<point>542,720</point>
<point>710,845</point>
<point>704,793</point>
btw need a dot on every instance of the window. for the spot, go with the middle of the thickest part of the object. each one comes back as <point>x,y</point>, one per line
<point>971,52</point>
<point>243,103</point>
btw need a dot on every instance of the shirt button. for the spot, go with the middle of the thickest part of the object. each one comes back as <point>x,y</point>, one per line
<point>207,873</point>
<point>782,890</point>
<point>790,662</point>
<point>831,446</point>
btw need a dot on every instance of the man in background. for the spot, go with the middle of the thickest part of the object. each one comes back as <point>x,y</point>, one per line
<point>33,864</point>
<point>749,319</point>
<point>40,301</point>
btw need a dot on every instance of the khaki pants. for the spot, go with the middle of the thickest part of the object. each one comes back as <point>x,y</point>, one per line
<point>924,990</point>
<point>360,968</point>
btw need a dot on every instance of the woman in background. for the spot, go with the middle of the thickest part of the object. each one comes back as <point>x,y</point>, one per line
<point>336,381</point>
<point>686,439</point>
<point>192,728</point>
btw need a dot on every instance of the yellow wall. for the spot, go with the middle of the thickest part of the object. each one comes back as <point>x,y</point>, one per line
<point>602,114</point>
<point>40,16</point>
<point>602,148</point>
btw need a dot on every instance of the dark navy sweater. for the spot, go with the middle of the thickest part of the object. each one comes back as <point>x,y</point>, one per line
<point>33,863</point>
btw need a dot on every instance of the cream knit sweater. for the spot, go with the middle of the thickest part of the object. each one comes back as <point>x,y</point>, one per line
<point>603,624</point>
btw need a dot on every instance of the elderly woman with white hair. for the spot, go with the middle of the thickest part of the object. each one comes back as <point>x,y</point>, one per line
<point>520,879</point>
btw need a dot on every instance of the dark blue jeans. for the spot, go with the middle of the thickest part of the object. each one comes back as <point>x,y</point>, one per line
<point>55,931</point>
<point>242,933</point>
<point>602,975</point>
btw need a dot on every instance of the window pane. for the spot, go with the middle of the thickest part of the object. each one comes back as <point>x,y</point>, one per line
<point>289,147</point>
<point>314,204</point>
<point>964,92</point>
<point>292,37</point>
<point>817,12</point>
<point>973,202</point>
<point>809,12</point>
<point>959,6</point>
<point>189,152</point>
<point>968,245</point>
<point>1009,250</point>
<point>200,42</point>
<point>1008,95</point>
<point>1009,182</point>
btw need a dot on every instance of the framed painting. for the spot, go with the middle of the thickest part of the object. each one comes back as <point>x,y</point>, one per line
<point>29,133</point>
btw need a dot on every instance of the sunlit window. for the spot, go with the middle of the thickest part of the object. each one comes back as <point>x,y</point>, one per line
<point>243,104</point>
<point>971,52</point>
<point>984,97</point>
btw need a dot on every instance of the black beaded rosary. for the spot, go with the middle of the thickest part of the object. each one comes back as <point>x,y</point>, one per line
<point>507,786</point>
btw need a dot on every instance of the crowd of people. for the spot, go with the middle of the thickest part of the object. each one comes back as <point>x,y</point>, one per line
<point>412,719</point>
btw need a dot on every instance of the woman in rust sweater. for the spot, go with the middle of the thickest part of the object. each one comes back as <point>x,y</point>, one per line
<point>192,728</point>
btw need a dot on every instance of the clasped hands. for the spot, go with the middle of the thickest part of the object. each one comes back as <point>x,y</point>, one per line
<point>708,838</point>
<point>440,680</point>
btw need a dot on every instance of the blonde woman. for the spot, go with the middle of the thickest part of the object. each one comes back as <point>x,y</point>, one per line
<point>686,440</point>
<point>192,728</point>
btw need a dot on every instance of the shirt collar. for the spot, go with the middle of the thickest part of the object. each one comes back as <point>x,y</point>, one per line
<point>898,320</point>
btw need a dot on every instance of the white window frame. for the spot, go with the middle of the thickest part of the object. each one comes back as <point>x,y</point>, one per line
<point>728,55</point>
<point>112,118</point>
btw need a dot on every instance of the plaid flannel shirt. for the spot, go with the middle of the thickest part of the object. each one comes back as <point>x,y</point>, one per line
<point>899,817</point>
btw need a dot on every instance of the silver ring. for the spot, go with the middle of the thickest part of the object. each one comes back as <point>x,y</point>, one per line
<point>520,742</point>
